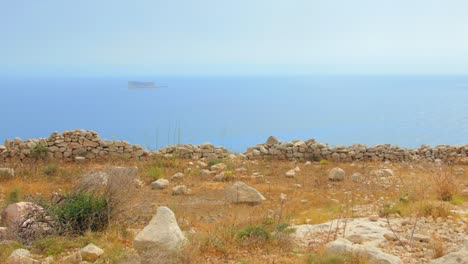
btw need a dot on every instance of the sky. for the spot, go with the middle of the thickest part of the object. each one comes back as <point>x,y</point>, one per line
<point>242,37</point>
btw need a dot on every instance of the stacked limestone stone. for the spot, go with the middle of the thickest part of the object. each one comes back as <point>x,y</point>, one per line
<point>312,150</point>
<point>206,150</point>
<point>68,146</point>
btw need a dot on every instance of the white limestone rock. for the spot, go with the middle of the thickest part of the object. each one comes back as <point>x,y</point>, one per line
<point>242,193</point>
<point>162,233</point>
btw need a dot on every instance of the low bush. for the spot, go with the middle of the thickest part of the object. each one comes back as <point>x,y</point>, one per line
<point>50,170</point>
<point>55,245</point>
<point>155,172</point>
<point>14,196</point>
<point>39,152</point>
<point>214,162</point>
<point>254,232</point>
<point>81,211</point>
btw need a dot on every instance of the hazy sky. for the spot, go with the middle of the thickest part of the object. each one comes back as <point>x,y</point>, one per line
<point>153,37</point>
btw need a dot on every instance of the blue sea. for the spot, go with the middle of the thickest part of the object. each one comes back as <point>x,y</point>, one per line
<point>238,112</point>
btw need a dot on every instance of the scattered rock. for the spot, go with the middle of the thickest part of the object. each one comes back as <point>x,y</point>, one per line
<point>381,173</point>
<point>80,159</point>
<point>336,174</point>
<point>206,173</point>
<point>178,176</point>
<point>290,174</point>
<point>180,190</point>
<point>272,141</point>
<point>356,177</point>
<point>390,237</point>
<point>242,193</point>
<point>21,256</point>
<point>91,252</point>
<point>7,173</point>
<point>162,233</point>
<point>219,177</point>
<point>74,258</point>
<point>3,233</point>
<point>160,184</point>
<point>218,167</point>
<point>374,218</point>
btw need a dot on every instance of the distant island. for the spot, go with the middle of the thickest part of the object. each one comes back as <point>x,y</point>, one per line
<point>134,84</point>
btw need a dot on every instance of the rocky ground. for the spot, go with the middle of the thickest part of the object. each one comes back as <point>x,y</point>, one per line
<point>301,212</point>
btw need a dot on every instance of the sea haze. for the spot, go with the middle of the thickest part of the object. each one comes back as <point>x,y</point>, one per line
<point>238,112</point>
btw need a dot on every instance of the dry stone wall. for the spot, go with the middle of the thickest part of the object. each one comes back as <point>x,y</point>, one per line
<point>206,151</point>
<point>313,150</point>
<point>81,145</point>
<point>69,146</point>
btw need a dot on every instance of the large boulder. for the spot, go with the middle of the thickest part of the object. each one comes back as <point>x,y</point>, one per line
<point>28,221</point>
<point>14,212</point>
<point>373,254</point>
<point>459,257</point>
<point>242,193</point>
<point>21,256</point>
<point>162,233</point>
<point>336,174</point>
<point>113,177</point>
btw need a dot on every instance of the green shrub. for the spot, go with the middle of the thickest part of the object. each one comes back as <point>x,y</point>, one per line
<point>14,196</point>
<point>283,228</point>
<point>55,245</point>
<point>155,172</point>
<point>254,232</point>
<point>50,170</point>
<point>324,162</point>
<point>228,175</point>
<point>214,162</point>
<point>80,211</point>
<point>39,152</point>
<point>456,200</point>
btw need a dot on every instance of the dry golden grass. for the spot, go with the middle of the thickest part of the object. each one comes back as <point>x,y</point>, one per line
<point>214,223</point>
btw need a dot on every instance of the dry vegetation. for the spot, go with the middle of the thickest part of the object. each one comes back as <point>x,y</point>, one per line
<point>220,232</point>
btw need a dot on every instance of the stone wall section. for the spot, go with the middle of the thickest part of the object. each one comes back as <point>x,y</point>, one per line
<point>69,146</point>
<point>81,145</point>
<point>206,151</point>
<point>316,151</point>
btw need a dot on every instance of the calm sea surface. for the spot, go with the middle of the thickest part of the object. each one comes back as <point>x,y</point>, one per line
<point>238,112</point>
